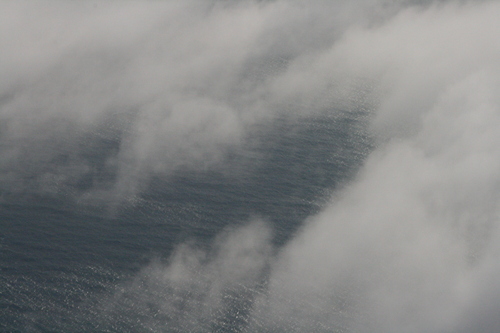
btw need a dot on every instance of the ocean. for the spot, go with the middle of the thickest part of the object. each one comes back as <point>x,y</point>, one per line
<point>61,264</point>
<point>250,166</point>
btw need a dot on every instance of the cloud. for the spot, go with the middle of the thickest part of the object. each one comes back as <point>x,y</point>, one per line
<point>410,245</point>
<point>162,85</point>
<point>401,248</point>
<point>198,289</point>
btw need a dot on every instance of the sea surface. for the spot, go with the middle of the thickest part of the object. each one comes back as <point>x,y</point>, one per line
<point>250,166</point>
<point>66,267</point>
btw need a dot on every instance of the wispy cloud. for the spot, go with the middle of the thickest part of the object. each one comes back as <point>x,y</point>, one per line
<point>411,245</point>
<point>163,84</point>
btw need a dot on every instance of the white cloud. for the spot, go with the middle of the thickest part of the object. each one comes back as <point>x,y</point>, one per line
<point>170,84</point>
<point>403,245</point>
<point>410,245</point>
<point>198,289</point>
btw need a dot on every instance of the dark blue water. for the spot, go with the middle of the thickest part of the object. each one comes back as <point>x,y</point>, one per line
<point>64,265</point>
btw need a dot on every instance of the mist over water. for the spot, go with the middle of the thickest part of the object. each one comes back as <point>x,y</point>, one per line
<point>249,166</point>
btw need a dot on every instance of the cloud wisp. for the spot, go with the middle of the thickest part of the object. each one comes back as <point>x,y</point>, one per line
<point>98,98</point>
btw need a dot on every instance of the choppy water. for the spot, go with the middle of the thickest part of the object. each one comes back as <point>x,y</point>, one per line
<point>250,166</point>
<point>61,264</point>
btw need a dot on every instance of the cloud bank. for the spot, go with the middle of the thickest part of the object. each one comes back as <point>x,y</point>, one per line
<point>97,98</point>
<point>410,245</point>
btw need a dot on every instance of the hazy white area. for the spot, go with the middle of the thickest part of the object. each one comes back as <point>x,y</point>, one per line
<point>410,245</point>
